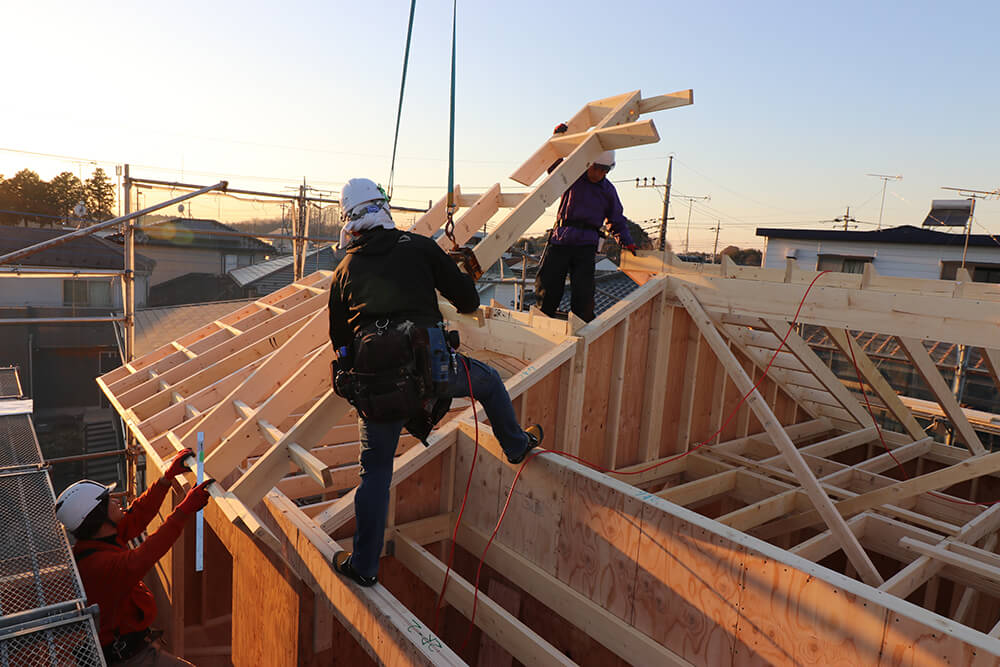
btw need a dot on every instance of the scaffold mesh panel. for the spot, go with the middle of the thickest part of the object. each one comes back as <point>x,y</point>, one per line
<point>17,442</point>
<point>10,387</point>
<point>72,643</point>
<point>36,566</point>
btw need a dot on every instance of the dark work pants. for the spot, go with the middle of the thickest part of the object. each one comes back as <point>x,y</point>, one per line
<point>378,448</point>
<point>578,262</point>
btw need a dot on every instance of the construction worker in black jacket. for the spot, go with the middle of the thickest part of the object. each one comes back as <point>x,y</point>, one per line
<point>389,279</point>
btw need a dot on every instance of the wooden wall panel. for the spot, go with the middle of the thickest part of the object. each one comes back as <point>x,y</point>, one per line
<point>909,643</point>
<point>636,367</point>
<point>791,617</point>
<point>600,355</point>
<point>265,628</point>
<point>675,385</point>
<point>599,543</point>
<point>540,406</point>
<point>531,523</point>
<point>687,589</point>
<point>419,495</point>
<point>704,397</point>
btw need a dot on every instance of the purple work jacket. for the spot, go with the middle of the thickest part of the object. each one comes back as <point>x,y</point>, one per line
<point>591,204</point>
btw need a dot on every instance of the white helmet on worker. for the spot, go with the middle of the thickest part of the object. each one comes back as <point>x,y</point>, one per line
<point>79,500</point>
<point>358,192</point>
<point>606,160</point>
<point>363,205</point>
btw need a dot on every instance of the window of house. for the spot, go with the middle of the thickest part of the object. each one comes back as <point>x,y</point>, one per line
<point>842,263</point>
<point>230,263</point>
<point>981,272</point>
<point>86,293</point>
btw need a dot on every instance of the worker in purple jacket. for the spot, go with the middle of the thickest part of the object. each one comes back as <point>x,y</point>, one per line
<point>573,242</point>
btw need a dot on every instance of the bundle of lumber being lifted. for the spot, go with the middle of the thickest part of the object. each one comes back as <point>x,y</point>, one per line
<point>727,516</point>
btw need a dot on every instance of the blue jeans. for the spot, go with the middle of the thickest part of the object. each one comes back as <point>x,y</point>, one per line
<point>378,448</point>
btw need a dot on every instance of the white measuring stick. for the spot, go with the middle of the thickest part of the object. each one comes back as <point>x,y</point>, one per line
<point>199,520</point>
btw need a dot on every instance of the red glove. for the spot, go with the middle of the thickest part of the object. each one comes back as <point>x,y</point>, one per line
<point>177,466</point>
<point>196,498</point>
<point>631,248</point>
<point>560,128</point>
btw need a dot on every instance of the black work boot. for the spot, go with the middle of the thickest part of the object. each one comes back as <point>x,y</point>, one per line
<point>342,564</point>
<point>535,436</point>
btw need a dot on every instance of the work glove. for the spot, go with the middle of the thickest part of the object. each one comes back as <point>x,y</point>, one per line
<point>196,498</point>
<point>631,248</point>
<point>177,466</point>
<point>560,128</point>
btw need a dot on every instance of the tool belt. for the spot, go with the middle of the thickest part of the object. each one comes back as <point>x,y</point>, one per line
<point>127,646</point>
<point>392,369</point>
<point>582,224</point>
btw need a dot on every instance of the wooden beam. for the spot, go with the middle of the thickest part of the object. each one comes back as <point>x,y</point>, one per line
<point>917,354</point>
<point>911,577</point>
<point>808,358</point>
<point>849,543</point>
<point>939,479</point>
<point>519,640</point>
<point>272,465</point>
<point>875,379</point>
<point>612,632</point>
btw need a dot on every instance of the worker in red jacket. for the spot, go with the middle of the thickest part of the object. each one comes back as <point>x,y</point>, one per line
<point>112,572</point>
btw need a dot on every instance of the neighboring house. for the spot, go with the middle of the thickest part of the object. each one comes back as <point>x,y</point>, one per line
<point>282,246</point>
<point>59,360</point>
<point>192,262</point>
<point>905,251</point>
<point>270,276</point>
<point>85,253</point>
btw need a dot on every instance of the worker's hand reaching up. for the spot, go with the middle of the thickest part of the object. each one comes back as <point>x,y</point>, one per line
<point>177,465</point>
<point>196,498</point>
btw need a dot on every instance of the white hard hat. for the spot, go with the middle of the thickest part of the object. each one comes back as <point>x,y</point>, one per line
<point>356,193</point>
<point>79,500</point>
<point>606,159</point>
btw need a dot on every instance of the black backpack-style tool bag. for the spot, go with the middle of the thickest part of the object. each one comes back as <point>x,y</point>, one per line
<point>388,378</point>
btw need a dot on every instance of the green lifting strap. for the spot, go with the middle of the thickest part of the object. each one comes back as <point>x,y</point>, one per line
<point>402,87</point>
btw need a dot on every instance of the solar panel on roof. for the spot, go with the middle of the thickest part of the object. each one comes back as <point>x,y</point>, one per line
<point>949,213</point>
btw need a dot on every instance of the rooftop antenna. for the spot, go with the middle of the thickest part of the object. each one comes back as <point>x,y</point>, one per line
<point>885,180</point>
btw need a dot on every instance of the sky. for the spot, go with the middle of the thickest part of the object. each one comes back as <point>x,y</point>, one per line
<point>795,102</point>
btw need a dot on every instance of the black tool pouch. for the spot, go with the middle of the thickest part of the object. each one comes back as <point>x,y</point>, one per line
<point>385,383</point>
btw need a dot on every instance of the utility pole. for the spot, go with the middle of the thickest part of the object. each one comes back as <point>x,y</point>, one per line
<point>690,201</point>
<point>298,245</point>
<point>885,180</point>
<point>715,248</point>
<point>846,219</point>
<point>666,206</point>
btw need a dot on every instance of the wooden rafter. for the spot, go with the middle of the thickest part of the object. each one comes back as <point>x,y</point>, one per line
<point>821,501</point>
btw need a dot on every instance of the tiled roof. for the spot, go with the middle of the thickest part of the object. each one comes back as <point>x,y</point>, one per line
<point>155,327</point>
<point>609,290</point>
<point>87,252</point>
<point>904,234</point>
<point>184,232</point>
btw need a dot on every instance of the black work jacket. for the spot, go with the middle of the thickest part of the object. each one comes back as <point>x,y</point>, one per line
<point>392,274</point>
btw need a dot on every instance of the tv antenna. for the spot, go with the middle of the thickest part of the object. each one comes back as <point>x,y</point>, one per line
<point>885,180</point>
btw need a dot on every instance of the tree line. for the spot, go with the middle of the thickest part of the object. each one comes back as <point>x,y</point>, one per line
<point>25,196</point>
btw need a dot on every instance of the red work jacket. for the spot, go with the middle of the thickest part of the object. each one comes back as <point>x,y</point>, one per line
<point>112,572</point>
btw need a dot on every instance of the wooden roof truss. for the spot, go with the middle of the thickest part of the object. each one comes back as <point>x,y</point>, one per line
<point>775,526</point>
